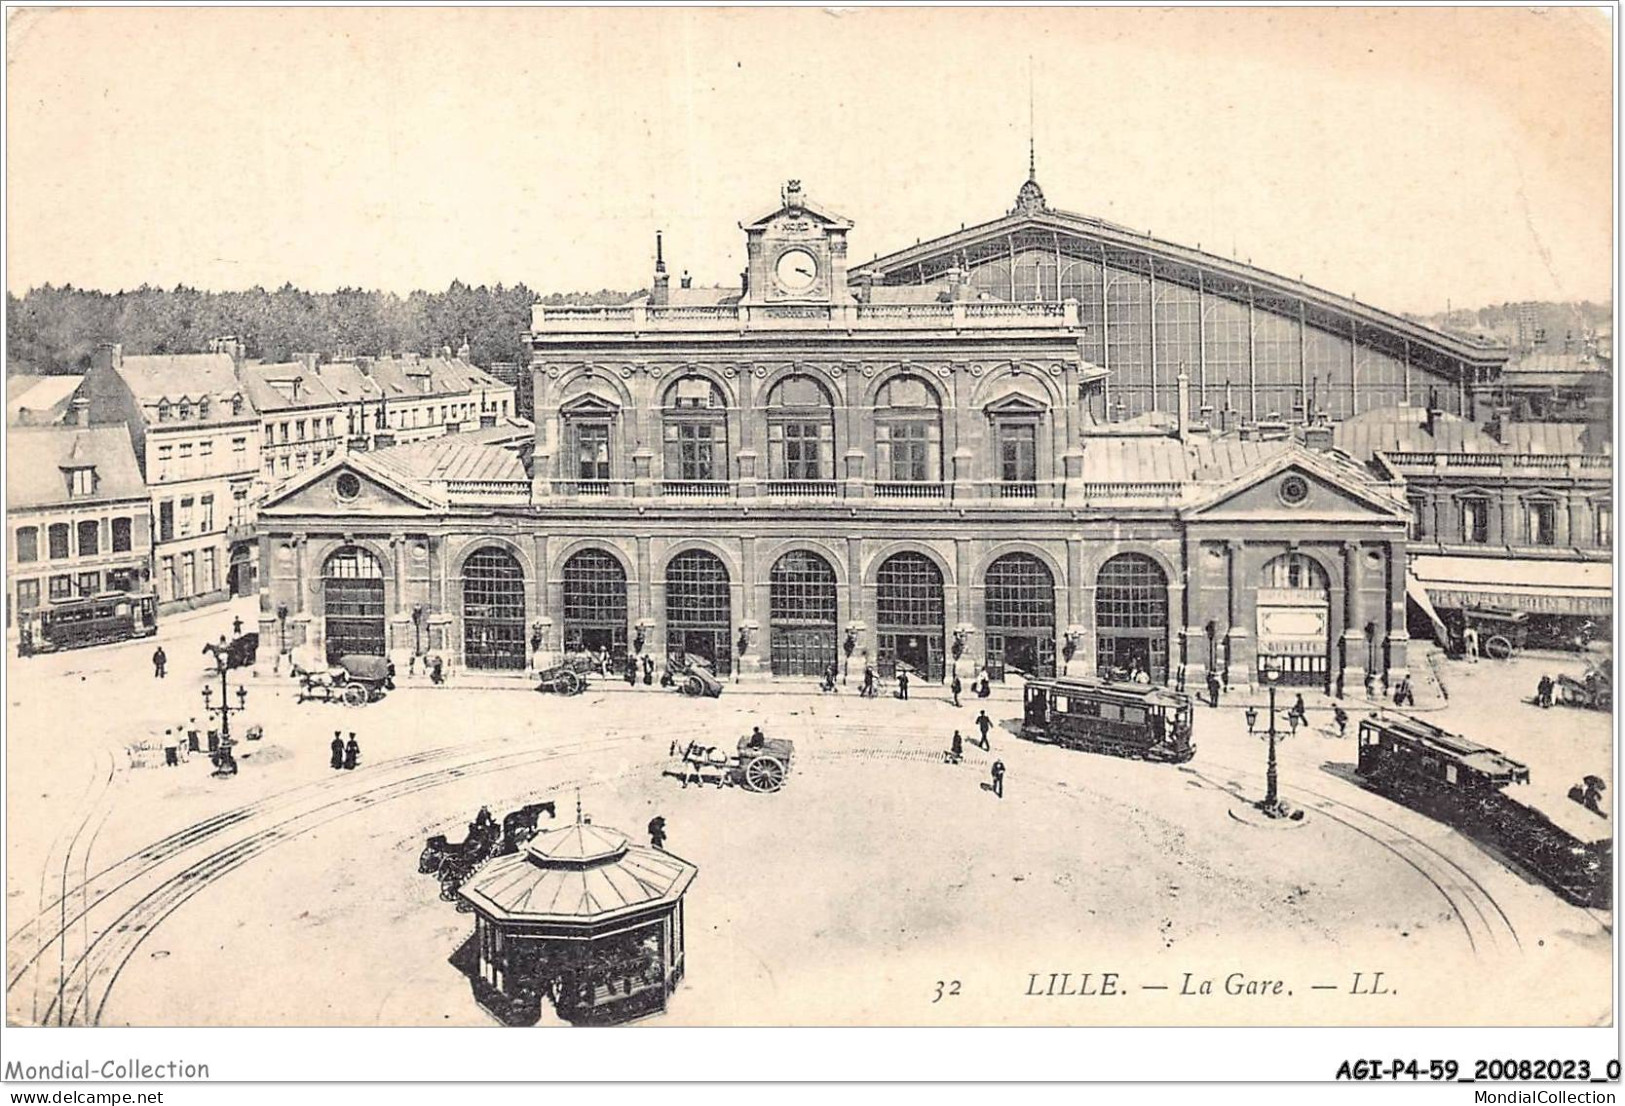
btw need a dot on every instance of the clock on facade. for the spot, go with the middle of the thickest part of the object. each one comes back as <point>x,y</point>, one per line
<point>796,271</point>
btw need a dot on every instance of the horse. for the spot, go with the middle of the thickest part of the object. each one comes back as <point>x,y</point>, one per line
<point>519,826</point>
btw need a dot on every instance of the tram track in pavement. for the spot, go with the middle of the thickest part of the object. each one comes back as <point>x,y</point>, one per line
<point>1485,923</point>
<point>118,941</point>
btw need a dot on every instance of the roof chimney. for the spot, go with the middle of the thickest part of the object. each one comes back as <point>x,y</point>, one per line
<point>660,294</point>
<point>311,361</point>
<point>1318,436</point>
<point>686,281</point>
<point>109,355</point>
<point>79,411</point>
<point>463,352</point>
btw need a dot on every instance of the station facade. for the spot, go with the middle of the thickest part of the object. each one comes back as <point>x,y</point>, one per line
<point>955,458</point>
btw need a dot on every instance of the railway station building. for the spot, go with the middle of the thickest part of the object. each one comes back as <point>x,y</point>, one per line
<point>1040,444</point>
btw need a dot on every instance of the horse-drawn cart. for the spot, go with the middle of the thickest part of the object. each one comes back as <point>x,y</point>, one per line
<point>1594,690</point>
<point>756,766</point>
<point>354,681</point>
<point>569,677</point>
<point>692,676</point>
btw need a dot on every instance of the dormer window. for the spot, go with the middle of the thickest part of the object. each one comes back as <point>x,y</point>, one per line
<point>236,405</point>
<point>81,482</point>
<point>203,408</point>
<point>185,411</point>
<point>163,410</point>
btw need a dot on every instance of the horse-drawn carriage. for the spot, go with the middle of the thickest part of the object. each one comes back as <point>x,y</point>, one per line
<point>568,677</point>
<point>355,681</point>
<point>760,764</point>
<point>1594,690</point>
<point>454,861</point>
<point>1502,632</point>
<point>692,676</point>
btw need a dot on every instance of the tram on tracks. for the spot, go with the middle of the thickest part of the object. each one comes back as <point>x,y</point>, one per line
<point>90,620</point>
<point>1568,845</point>
<point>1109,716</point>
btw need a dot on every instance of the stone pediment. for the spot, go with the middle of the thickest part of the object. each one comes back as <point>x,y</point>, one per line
<point>588,404</point>
<point>1292,488</point>
<point>349,486</point>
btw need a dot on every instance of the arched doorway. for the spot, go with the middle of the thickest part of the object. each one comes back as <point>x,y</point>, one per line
<point>595,604</point>
<point>353,602</point>
<point>1294,620</point>
<point>493,610</point>
<point>1019,598</point>
<point>802,606</point>
<point>1131,618</point>
<point>699,609</point>
<point>909,615</point>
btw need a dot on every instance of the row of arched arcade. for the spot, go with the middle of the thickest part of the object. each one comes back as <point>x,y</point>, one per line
<point>1021,628</point>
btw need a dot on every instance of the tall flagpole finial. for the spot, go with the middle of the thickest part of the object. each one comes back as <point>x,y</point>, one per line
<point>1032,143</point>
<point>578,806</point>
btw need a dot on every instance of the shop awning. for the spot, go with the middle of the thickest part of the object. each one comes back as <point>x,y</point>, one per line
<point>1419,595</point>
<point>1584,588</point>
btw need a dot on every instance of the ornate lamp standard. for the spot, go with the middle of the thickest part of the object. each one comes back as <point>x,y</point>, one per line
<point>225,710</point>
<point>1272,801</point>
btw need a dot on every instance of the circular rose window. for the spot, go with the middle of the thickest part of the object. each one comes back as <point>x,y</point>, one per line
<point>347,486</point>
<point>1294,490</point>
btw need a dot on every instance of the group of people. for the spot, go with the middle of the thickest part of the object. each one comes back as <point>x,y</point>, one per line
<point>636,665</point>
<point>956,752</point>
<point>346,754</point>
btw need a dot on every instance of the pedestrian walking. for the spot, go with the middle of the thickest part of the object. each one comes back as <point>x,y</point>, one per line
<point>998,778</point>
<point>1213,688</point>
<point>1403,695</point>
<point>237,626</point>
<point>984,723</point>
<point>657,832</point>
<point>868,681</point>
<point>631,671</point>
<point>1341,717</point>
<point>956,687</point>
<point>338,750</point>
<point>1469,641</point>
<point>352,752</point>
<point>159,659</point>
<point>172,754</point>
<point>1543,691</point>
<point>956,749</point>
<point>648,670</point>
<point>902,683</point>
<point>1299,712</point>
<point>192,741</point>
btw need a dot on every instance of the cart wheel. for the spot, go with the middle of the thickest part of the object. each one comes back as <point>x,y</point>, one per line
<point>1498,648</point>
<point>692,686</point>
<point>355,695</point>
<point>765,773</point>
<point>570,683</point>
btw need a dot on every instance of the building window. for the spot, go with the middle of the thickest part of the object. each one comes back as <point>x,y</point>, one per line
<point>203,408</point>
<point>695,431</point>
<point>908,432</point>
<point>236,405</point>
<point>185,515</point>
<point>88,584</point>
<point>1418,525</point>
<point>299,428</point>
<point>239,446</point>
<point>27,544</point>
<point>284,433</point>
<point>1542,516</point>
<point>1018,453</point>
<point>206,519</point>
<point>1475,520</point>
<point>287,466</point>
<point>89,538</point>
<point>81,482</point>
<point>188,580</point>
<point>166,577</point>
<point>206,456</point>
<point>206,581</point>
<point>184,411</point>
<point>122,579</point>
<point>1604,518</point>
<point>163,410</point>
<point>592,451</point>
<point>239,506</point>
<point>61,588</point>
<point>164,454</point>
<point>166,520</point>
<point>122,542</point>
<point>58,535</point>
<point>800,431</point>
<point>27,594</point>
<point>185,458</point>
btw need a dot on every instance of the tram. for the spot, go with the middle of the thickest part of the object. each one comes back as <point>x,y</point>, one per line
<point>1107,716</point>
<point>1567,845</point>
<point>92,620</point>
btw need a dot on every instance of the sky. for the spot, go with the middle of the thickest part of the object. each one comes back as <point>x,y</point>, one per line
<point>1411,157</point>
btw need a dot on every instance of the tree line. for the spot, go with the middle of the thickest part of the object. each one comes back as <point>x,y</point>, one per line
<point>56,329</point>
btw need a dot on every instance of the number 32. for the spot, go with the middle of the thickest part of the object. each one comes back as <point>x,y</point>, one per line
<point>946,990</point>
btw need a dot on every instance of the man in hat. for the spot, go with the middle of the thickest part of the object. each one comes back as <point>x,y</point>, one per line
<point>956,749</point>
<point>956,687</point>
<point>159,659</point>
<point>902,682</point>
<point>1213,688</point>
<point>984,723</point>
<point>998,778</point>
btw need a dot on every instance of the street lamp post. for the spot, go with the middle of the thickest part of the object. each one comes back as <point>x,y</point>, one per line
<point>1272,800</point>
<point>225,710</point>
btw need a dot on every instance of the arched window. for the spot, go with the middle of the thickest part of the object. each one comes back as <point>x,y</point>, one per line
<point>908,438</point>
<point>595,604</point>
<point>1294,620</point>
<point>1131,616</point>
<point>353,603</point>
<point>1019,599</point>
<point>800,432</point>
<point>1294,572</point>
<point>493,610</point>
<point>695,435</point>
<point>699,609</point>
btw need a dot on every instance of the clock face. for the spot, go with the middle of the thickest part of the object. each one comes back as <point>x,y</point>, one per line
<point>796,271</point>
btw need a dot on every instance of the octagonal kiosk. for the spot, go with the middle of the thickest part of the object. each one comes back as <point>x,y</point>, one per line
<point>582,918</point>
